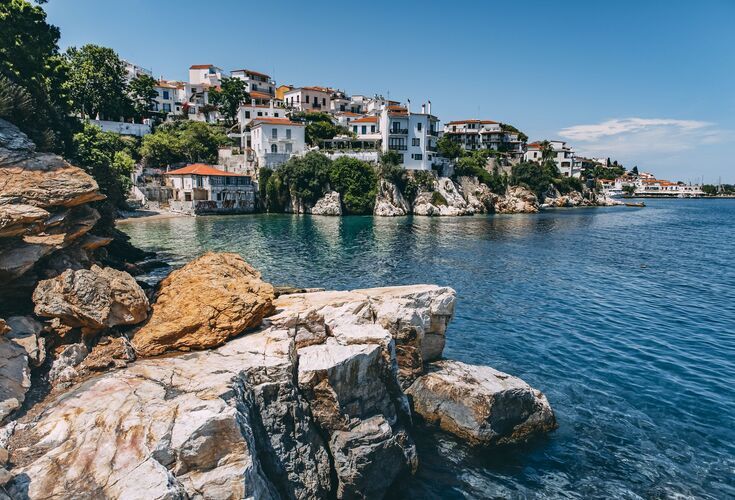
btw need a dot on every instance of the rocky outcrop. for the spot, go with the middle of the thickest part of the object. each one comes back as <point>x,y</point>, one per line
<point>26,332</point>
<point>517,200</point>
<point>211,299</point>
<point>477,194</point>
<point>92,299</point>
<point>44,212</point>
<point>480,404</point>
<point>445,199</point>
<point>329,204</point>
<point>389,202</point>
<point>15,374</point>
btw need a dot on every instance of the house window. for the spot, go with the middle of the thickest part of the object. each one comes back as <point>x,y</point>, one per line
<point>417,156</point>
<point>288,133</point>
<point>416,141</point>
<point>354,128</point>
<point>274,148</point>
<point>289,147</point>
<point>372,129</point>
<point>166,95</point>
<point>324,101</point>
<point>364,129</point>
<point>419,126</point>
<point>247,115</point>
<point>187,196</point>
<point>307,99</point>
<point>166,107</point>
<point>341,107</point>
<point>260,113</point>
<point>276,114</point>
<point>274,133</point>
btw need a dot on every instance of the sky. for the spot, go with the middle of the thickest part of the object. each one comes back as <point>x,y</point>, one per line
<point>649,83</point>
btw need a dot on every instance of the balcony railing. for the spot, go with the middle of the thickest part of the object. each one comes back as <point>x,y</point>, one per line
<point>399,131</point>
<point>431,148</point>
<point>316,105</point>
<point>433,133</point>
<point>397,147</point>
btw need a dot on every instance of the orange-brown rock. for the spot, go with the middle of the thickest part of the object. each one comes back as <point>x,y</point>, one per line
<point>211,299</point>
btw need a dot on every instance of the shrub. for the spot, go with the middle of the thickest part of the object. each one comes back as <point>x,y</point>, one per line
<point>437,199</point>
<point>568,184</point>
<point>356,181</point>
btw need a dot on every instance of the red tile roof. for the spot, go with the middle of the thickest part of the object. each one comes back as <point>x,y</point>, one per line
<point>201,66</point>
<point>366,119</point>
<point>260,95</point>
<point>202,169</point>
<point>274,121</point>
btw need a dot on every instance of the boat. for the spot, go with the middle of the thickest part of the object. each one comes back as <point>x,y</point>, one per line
<point>639,204</point>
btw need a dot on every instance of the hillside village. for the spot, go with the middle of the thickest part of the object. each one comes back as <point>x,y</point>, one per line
<point>271,123</point>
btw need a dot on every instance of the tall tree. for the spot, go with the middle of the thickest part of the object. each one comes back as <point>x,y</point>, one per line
<point>143,93</point>
<point>96,82</point>
<point>229,97</point>
<point>31,76</point>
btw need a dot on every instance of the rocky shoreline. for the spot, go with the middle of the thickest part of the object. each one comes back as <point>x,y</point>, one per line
<point>213,384</point>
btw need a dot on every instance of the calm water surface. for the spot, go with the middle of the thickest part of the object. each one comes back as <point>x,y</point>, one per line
<point>624,317</point>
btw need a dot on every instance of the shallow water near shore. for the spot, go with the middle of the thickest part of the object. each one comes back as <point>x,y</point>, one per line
<point>623,317</point>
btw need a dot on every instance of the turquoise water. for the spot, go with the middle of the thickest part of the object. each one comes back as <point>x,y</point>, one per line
<point>624,317</point>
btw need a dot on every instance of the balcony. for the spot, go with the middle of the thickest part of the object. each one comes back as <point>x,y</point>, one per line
<point>316,105</point>
<point>399,131</point>
<point>431,148</point>
<point>433,133</point>
<point>397,147</point>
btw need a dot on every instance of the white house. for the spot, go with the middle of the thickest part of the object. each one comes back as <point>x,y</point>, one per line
<point>308,99</point>
<point>171,96</point>
<point>202,77</point>
<point>345,118</point>
<point>366,127</point>
<point>249,112</point>
<point>255,81</point>
<point>133,71</point>
<point>200,188</point>
<point>484,134</point>
<point>563,156</point>
<point>274,140</point>
<point>200,74</point>
<point>412,135</point>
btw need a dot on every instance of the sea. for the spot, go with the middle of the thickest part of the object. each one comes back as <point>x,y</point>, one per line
<point>624,317</point>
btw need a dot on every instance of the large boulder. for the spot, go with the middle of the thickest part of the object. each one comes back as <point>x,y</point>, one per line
<point>92,299</point>
<point>227,422</point>
<point>445,199</point>
<point>480,404</point>
<point>329,204</point>
<point>389,202</point>
<point>477,194</point>
<point>211,299</point>
<point>517,200</point>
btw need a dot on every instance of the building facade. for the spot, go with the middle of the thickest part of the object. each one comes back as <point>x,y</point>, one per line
<point>316,99</point>
<point>255,81</point>
<point>275,140</point>
<point>200,188</point>
<point>562,154</point>
<point>412,135</point>
<point>474,135</point>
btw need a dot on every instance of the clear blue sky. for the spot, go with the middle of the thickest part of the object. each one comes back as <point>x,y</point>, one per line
<point>650,83</point>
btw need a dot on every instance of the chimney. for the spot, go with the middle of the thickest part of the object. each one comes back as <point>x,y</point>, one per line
<point>408,106</point>
<point>428,107</point>
<point>423,109</point>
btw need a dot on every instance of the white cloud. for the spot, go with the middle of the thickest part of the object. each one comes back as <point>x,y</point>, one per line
<point>641,139</point>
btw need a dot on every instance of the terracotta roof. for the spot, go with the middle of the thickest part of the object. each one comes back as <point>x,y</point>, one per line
<point>318,89</point>
<point>256,73</point>
<point>274,121</point>
<point>366,119</point>
<point>260,95</point>
<point>348,113</point>
<point>202,169</point>
<point>534,145</point>
<point>166,85</point>
<point>201,66</point>
<point>483,122</point>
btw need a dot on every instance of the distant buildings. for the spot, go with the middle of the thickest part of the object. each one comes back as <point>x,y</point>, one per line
<point>646,185</point>
<point>562,154</point>
<point>474,135</point>
<point>255,81</point>
<point>308,99</point>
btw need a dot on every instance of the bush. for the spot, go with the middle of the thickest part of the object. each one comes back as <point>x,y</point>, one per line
<point>183,141</point>
<point>534,176</point>
<point>437,199</point>
<point>568,184</point>
<point>306,177</point>
<point>473,165</point>
<point>356,181</point>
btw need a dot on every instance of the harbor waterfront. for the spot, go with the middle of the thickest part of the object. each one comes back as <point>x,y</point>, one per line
<point>624,318</point>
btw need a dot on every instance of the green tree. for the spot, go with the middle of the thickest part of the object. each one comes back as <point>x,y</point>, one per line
<point>535,176</point>
<point>32,73</point>
<point>143,94</point>
<point>108,157</point>
<point>319,127</point>
<point>96,82</point>
<point>183,141</point>
<point>511,129</point>
<point>356,181</point>
<point>709,189</point>
<point>447,148</point>
<point>629,189</point>
<point>306,177</point>
<point>228,98</point>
